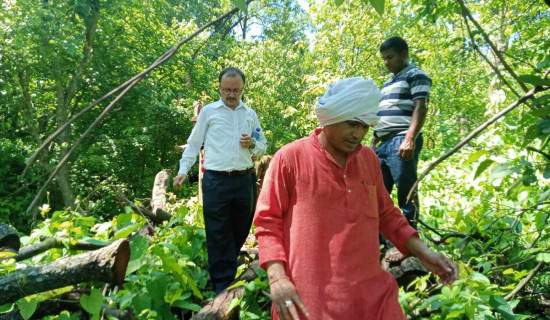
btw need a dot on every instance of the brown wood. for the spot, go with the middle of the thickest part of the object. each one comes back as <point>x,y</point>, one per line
<point>9,240</point>
<point>159,191</point>
<point>107,265</point>
<point>217,308</point>
<point>405,271</point>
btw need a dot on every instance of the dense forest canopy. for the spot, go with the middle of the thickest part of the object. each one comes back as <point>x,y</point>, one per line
<point>485,203</point>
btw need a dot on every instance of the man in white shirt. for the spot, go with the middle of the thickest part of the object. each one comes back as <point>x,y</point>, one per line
<point>229,183</point>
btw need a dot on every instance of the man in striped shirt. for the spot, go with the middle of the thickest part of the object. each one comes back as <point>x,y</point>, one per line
<point>402,113</point>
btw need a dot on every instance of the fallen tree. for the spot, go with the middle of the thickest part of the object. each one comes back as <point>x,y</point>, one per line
<point>107,264</point>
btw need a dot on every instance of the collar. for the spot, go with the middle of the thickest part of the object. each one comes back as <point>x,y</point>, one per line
<point>407,68</point>
<point>314,139</point>
<point>221,104</point>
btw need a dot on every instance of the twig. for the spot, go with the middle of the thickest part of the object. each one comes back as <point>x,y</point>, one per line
<point>474,133</point>
<point>546,155</point>
<point>524,281</point>
<point>511,265</point>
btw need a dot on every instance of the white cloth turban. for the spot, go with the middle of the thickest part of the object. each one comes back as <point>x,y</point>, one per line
<point>349,99</point>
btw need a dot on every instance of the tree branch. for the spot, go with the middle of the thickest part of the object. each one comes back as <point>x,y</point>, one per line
<point>474,133</point>
<point>125,86</point>
<point>524,281</point>
<point>476,48</point>
<point>497,53</point>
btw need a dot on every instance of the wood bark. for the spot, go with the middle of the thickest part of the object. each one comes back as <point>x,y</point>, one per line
<point>159,189</point>
<point>405,271</point>
<point>107,265</point>
<point>217,308</point>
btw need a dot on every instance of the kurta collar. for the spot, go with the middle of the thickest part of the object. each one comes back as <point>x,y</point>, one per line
<point>314,139</point>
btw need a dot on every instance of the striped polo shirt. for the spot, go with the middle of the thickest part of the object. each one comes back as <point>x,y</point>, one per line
<point>398,93</point>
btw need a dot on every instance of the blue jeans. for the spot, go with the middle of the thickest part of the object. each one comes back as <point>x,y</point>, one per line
<point>401,173</point>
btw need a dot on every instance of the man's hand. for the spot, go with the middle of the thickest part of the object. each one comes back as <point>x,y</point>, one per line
<point>374,142</point>
<point>284,295</point>
<point>406,149</point>
<point>246,141</point>
<point>180,148</point>
<point>433,261</point>
<point>178,180</point>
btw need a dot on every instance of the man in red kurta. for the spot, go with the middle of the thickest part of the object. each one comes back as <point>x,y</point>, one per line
<point>322,205</point>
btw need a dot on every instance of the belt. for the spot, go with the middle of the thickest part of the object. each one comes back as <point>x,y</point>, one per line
<point>234,172</point>
<point>389,136</point>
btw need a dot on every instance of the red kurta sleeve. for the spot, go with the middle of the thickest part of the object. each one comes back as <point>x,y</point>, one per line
<point>272,204</point>
<point>393,225</point>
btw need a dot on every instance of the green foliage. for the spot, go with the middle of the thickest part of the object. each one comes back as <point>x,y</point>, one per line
<point>489,202</point>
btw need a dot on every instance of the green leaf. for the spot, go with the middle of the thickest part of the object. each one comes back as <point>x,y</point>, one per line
<point>92,303</point>
<point>241,4</point>
<point>138,249</point>
<point>188,305</point>
<point>501,306</point>
<point>476,156</point>
<point>377,4</point>
<point>546,173</point>
<point>27,307</point>
<point>235,302</point>
<point>534,80</point>
<point>338,2</point>
<point>7,307</point>
<point>540,220</point>
<point>543,257</point>
<point>480,279</point>
<point>125,232</point>
<point>482,167</point>
<point>544,196</point>
<point>502,170</point>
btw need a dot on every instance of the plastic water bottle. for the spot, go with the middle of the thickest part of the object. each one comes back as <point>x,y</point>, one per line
<point>256,134</point>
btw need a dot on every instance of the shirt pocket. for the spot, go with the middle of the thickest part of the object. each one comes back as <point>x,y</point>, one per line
<point>246,125</point>
<point>368,200</point>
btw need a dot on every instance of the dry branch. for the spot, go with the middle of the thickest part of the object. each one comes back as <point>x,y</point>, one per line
<point>524,281</point>
<point>107,265</point>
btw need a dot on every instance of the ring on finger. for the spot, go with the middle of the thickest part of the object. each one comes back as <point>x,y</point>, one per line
<point>288,303</point>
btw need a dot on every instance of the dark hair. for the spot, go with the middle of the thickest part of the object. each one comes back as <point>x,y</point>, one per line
<point>231,72</point>
<point>395,43</point>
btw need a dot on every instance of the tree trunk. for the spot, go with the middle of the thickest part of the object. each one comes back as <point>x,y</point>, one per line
<point>162,179</point>
<point>107,265</point>
<point>9,240</point>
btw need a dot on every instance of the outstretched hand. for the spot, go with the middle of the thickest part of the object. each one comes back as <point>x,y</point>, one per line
<point>435,262</point>
<point>440,265</point>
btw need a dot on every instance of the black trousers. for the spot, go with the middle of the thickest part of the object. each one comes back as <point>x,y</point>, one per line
<point>228,208</point>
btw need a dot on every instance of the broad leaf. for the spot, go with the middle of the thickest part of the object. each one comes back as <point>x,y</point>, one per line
<point>27,307</point>
<point>241,4</point>
<point>482,167</point>
<point>138,249</point>
<point>476,156</point>
<point>544,196</point>
<point>188,305</point>
<point>377,4</point>
<point>92,303</point>
<point>543,257</point>
<point>502,170</point>
<point>501,306</point>
<point>338,2</point>
<point>534,80</point>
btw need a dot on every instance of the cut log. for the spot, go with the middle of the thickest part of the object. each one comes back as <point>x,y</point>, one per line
<point>217,308</point>
<point>107,265</point>
<point>158,202</point>
<point>9,240</point>
<point>50,243</point>
<point>406,271</point>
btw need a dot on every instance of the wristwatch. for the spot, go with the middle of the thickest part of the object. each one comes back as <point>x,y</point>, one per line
<point>252,145</point>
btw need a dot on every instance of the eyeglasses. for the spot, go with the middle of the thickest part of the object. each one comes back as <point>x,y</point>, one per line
<point>234,91</point>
